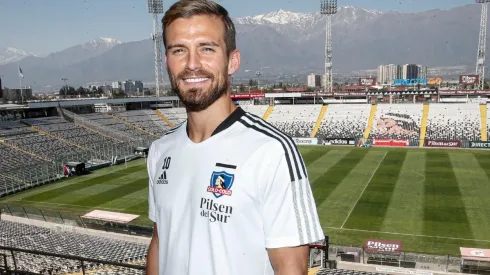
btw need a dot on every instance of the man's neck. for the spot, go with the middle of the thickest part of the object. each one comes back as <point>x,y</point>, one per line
<point>201,125</point>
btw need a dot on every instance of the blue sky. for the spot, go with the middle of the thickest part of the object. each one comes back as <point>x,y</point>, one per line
<point>45,26</point>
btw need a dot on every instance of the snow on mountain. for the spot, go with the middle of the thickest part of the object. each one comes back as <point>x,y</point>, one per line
<point>8,55</point>
<point>280,17</point>
<point>347,14</point>
<point>102,42</point>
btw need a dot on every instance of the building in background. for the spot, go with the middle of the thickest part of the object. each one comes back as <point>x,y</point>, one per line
<point>399,71</point>
<point>410,71</point>
<point>381,72</point>
<point>16,95</point>
<point>138,86</point>
<point>386,73</point>
<point>128,86</point>
<point>422,71</point>
<point>314,80</point>
<point>131,87</point>
<point>116,85</point>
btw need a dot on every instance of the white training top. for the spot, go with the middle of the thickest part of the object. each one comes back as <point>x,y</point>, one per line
<point>220,203</point>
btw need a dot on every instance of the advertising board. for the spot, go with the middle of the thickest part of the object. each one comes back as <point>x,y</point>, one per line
<point>442,143</point>
<point>364,81</point>
<point>416,81</point>
<point>246,96</point>
<point>339,141</point>
<point>349,94</point>
<point>380,246</point>
<point>409,82</point>
<point>390,142</point>
<point>480,144</point>
<point>434,81</point>
<point>469,79</point>
<point>464,92</point>
<point>305,141</point>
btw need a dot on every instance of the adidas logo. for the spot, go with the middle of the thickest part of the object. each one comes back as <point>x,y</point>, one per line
<point>163,178</point>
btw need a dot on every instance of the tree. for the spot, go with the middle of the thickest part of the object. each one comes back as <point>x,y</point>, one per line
<point>81,91</point>
<point>70,91</point>
<point>118,94</point>
<point>241,88</point>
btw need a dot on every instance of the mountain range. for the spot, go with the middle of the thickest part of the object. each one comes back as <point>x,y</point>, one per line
<point>281,43</point>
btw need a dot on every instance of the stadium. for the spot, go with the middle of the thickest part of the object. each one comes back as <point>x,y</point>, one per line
<point>392,192</point>
<point>399,167</point>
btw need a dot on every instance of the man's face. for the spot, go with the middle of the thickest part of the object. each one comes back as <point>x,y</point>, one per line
<point>196,60</point>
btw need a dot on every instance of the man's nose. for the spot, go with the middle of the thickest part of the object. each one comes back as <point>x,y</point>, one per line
<point>194,61</point>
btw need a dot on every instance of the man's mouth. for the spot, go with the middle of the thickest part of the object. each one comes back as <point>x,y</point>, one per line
<point>195,80</point>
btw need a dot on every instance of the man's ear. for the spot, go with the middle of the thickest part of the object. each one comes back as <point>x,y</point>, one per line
<point>234,62</point>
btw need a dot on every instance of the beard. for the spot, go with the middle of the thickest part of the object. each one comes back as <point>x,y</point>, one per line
<point>197,99</point>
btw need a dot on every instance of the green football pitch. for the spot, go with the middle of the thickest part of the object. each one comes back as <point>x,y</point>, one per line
<point>433,200</point>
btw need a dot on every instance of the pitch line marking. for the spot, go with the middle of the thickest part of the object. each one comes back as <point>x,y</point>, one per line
<point>354,206</point>
<point>407,234</point>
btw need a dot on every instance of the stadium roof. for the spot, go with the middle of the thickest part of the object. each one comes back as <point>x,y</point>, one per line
<point>68,103</point>
<point>475,254</point>
<point>11,106</point>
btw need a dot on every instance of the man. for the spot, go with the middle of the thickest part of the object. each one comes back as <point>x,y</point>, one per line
<point>236,199</point>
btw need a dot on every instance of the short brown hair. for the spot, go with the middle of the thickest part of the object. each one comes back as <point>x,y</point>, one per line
<point>189,8</point>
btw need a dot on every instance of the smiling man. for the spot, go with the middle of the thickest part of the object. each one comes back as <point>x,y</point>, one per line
<point>228,193</point>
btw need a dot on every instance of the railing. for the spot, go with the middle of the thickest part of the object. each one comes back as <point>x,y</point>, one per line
<point>9,263</point>
<point>412,260</point>
<point>35,175</point>
<point>29,176</point>
<point>77,119</point>
<point>435,262</point>
<point>70,219</point>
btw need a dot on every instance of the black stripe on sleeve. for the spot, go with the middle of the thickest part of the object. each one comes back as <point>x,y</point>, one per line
<point>269,134</point>
<point>288,141</point>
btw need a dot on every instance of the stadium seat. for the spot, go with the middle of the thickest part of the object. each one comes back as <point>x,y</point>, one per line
<point>459,121</point>
<point>67,243</point>
<point>344,121</point>
<point>295,120</point>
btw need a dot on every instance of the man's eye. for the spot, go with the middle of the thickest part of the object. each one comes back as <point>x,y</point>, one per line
<point>177,51</point>
<point>208,49</point>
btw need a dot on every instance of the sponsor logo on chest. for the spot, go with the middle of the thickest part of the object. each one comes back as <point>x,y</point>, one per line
<point>214,211</point>
<point>220,185</point>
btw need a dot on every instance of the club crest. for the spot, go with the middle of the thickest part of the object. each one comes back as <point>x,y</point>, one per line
<point>221,183</point>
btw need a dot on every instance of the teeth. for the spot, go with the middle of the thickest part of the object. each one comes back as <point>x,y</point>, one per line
<point>194,80</point>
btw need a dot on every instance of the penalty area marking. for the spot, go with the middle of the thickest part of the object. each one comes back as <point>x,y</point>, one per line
<point>354,206</point>
<point>407,234</point>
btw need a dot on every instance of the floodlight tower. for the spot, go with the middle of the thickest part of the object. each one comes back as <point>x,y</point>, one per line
<point>258,74</point>
<point>328,8</point>
<point>480,59</point>
<point>155,7</point>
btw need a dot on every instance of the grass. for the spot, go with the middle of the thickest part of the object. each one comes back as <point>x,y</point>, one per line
<point>433,200</point>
